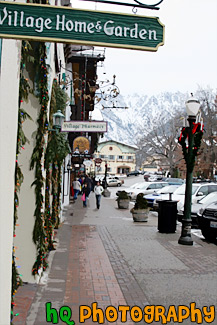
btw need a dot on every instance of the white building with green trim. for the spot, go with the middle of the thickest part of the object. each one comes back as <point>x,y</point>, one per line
<point>120,157</point>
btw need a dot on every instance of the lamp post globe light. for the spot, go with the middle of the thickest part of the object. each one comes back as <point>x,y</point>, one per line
<point>58,119</point>
<point>190,151</point>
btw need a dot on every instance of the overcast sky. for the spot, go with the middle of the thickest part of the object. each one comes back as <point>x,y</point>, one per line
<point>188,58</point>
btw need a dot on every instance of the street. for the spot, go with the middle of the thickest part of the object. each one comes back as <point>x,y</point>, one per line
<point>103,256</point>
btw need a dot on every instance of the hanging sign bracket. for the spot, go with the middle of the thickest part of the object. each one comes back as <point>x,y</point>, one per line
<point>137,5</point>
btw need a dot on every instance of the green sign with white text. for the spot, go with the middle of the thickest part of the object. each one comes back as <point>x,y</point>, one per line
<point>68,25</point>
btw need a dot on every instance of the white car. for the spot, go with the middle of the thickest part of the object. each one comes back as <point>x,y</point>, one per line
<point>113,182</point>
<point>145,188</point>
<point>199,208</point>
<point>199,190</point>
<point>162,194</point>
<point>130,188</point>
<point>99,178</point>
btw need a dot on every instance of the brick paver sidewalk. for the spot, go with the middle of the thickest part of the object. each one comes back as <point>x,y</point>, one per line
<point>90,277</point>
<point>103,257</point>
<point>81,274</point>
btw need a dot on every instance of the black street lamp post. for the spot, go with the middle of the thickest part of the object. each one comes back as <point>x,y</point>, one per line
<point>106,192</point>
<point>194,135</point>
<point>106,168</point>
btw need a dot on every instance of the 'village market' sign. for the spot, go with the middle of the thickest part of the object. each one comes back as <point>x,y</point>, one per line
<point>68,25</point>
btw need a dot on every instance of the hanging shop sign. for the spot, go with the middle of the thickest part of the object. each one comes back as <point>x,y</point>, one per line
<point>69,25</point>
<point>81,145</point>
<point>84,126</point>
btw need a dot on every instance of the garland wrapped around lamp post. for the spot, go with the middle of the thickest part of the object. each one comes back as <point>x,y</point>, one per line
<point>194,135</point>
<point>197,131</point>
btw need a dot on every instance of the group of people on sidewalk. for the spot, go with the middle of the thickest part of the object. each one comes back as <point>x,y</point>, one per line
<point>85,186</point>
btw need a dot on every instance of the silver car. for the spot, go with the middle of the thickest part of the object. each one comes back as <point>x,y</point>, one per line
<point>113,182</point>
<point>145,188</point>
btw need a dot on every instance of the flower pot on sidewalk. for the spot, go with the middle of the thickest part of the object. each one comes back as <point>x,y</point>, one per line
<point>140,211</point>
<point>140,215</point>
<point>123,200</point>
<point>123,204</point>
<point>106,193</point>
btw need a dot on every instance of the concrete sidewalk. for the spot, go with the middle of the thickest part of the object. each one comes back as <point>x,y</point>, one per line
<point>103,256</point>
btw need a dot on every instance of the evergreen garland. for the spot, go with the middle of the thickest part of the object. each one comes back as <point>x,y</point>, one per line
<point>55,212</point>
<point>24,90</point>
<point>39,234</point>
<point>56,151</point>
<point>48,225</point>
<point>198,134</point>
<point>59,188</point>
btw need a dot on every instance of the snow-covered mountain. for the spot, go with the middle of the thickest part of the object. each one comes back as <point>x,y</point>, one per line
<point>142,115</point>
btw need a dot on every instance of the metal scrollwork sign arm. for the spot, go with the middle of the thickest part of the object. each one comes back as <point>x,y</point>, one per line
<point>138,5</point>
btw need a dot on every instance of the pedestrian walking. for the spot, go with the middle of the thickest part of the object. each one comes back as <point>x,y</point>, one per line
<point>85,194</point>
<point>76,187</point>
<point>98,190</point>
<point>89,182</point>
<point>72,191</point>
<point>81,180</point>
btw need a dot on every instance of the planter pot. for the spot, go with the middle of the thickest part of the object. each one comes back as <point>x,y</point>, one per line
<point>106,193</point>
<point>123,204</point>
<point>140,215</point>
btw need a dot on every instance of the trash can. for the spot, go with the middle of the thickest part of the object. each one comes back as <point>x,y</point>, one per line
<point>167,215</point>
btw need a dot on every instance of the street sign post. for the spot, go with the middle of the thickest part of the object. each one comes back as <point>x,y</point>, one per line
<point>69,25</point>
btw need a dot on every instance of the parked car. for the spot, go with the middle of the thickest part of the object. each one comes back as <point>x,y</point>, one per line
<point>208,222</point>
<point>130,188</point>
<point>145,188</point>
<point>163,193</point>
<point>133,173</point>
<point>113,182</point>
<point>198,207</point>
<point>199,190</point>
<point>120,179</point>
<point>147,175</point>
<point>99,177</point>
<point>174,181</point>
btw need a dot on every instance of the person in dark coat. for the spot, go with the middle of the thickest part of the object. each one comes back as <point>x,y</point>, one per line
<point>86,191</point>
<point>89,182</point>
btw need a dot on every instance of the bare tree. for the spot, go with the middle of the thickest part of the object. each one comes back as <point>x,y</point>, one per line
<point>208,155</point>
<point>162,144</point>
